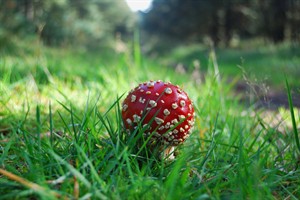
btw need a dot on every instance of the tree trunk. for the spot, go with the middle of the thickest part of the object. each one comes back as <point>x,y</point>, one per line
<point>28,10</point>
<point>294,20</point>
<point>228,24</point>
<point>279,20</point>
<point>214,29</point>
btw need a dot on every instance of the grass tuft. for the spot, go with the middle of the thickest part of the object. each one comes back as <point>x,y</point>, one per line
<point>62,136</point>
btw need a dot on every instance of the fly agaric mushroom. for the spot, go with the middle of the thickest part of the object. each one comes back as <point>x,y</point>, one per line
<point>163,109</point>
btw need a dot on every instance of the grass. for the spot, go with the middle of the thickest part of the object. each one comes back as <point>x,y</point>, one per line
<point>293,118</point>
<point>263,63</point>
<point>61,134</point>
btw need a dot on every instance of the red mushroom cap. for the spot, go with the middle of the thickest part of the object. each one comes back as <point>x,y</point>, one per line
<point>163,108</point>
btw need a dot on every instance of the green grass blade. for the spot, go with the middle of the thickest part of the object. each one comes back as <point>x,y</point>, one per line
<point>72,169</point>
<point>51,124</point>
<point>292,114</point>
<point>39,124</point>
<point>92,168</point>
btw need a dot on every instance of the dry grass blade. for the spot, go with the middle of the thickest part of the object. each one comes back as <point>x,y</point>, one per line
<point>37,188</point>
<point>76,188</point>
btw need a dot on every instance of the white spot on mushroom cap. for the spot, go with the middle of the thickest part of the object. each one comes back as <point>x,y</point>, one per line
<point>129,122</point>
<point>148,92</point>
<point>186,136</point>
<point>152,103</point>
<point>158,120</point>
<point>141,100</point>
<point>181,117</point>
<point>168,90</point>
<point>136,118</point>
<point>182,103</point>
<point>191,122</point>
<point>167,125</point>
<point>133,98</point>
<point>150,84</point>
<point>124,107</point>
<point>174,121</point>
<point>174,105</point>
<point>166,112</point>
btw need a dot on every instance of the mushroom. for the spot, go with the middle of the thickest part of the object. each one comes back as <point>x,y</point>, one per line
<point>163,109</point>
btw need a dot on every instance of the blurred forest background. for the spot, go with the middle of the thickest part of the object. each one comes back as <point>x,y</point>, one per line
<point>91,23</point>
<point>95,22</point>
<point>224,21</point>
<point>262,36</point>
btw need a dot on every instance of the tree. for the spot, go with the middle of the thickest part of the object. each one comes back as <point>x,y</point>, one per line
<point>58,22</point>
<point>274,15</point>
<point>220,20</point>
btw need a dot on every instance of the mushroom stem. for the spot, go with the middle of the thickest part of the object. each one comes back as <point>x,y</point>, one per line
<point>168,153</point>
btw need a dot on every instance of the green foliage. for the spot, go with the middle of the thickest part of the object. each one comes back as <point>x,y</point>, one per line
<point>91,23</point>
<point>223,21</point>
<point>61,134</point>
